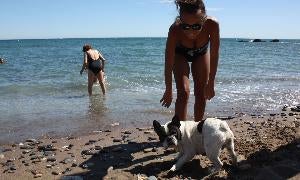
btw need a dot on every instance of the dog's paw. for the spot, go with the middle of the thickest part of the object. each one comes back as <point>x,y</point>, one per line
<point>173,169</point>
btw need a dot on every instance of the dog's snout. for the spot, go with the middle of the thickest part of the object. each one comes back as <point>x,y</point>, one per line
<point>170,141</point>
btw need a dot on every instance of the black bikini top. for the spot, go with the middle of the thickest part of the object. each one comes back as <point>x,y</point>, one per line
<point>192,51</point>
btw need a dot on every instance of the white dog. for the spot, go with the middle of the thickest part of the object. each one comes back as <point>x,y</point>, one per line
<point>191,138</point>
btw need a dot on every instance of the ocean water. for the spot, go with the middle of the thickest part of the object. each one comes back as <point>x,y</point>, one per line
<point>42,92</point>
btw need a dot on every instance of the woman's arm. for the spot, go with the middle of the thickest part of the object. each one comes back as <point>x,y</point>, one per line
<point>84,64</point>
<point>214,49</point>
<point>169,58</point>
<point>169,63</point>
<point>214,58</point>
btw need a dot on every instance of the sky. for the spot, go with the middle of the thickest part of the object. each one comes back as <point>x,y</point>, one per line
<point>43,19</point>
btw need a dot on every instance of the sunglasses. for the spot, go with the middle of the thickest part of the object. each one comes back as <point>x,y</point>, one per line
<point>186,27</point>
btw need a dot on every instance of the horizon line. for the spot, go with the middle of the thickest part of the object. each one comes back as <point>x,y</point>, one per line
<point>240,38</point>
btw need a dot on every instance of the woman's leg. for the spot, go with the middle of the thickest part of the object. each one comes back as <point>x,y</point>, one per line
<point>100,77</point>
<point>91,78</point>
<point>181,74</point>
<point>200,72</point>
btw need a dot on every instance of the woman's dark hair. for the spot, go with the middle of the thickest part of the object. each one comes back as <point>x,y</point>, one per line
<point>190,6</point>
<point>86,47</point>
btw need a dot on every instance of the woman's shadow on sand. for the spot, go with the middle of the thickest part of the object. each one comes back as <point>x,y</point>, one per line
<point>282,163</point>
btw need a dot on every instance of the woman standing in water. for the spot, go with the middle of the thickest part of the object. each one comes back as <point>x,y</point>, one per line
<point>94,62</point>
<point>193,37</point>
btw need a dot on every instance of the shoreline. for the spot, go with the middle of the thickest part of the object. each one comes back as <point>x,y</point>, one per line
<point>269,145</point>
<point>110,124</point>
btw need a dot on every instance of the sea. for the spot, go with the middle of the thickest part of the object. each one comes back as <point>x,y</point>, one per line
<point>43,94</point>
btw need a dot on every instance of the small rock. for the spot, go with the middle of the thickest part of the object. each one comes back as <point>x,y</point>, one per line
<point>152,138</point>
<point>92,141</point>
<point>67,161</point>
<point>148,132</point>
<point>117,140</point>
<point>31,140</point>
<point>6,150</point>
<point>26,151</point>
<point>89,152</point>
<point>84,166</point>
<point>99,131</point>
<point>48,166</point>
<point>38,175</point>
<point>127,132</point>
<point>55,173</point>
<point>115,124</point>
<point>148,150</point>
<point>49,153</point>
<point>110,169</point>
<point>154,149</point>
<point>98,147</point>
<point>13,168</point>
<point>51,159</point>
<point>26,147</point>
<point>11,171</point>
<point>49,147</point>
<point>2,156</point>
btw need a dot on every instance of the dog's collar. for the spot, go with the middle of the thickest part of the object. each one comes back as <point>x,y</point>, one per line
<point>200,126</point>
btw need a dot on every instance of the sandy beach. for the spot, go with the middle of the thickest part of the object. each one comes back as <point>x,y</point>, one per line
<point>268,148</point>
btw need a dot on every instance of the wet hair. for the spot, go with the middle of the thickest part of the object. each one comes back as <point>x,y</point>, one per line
<point>86,47</point>
<point>190,6</point>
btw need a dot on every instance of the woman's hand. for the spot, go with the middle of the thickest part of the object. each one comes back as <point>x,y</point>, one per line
<point>209,92</point>
<point>166,100</point>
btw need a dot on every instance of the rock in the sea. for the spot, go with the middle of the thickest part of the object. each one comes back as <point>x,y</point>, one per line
<point>274,40</point>
<point>257,40</point>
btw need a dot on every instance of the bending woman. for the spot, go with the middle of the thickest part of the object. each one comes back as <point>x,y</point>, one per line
<point>94,62</point>
<point>193,38</point>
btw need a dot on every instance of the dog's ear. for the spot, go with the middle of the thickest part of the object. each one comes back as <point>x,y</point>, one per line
<point>160,131</point>
<point>175,121</point>
<point>156,126</point>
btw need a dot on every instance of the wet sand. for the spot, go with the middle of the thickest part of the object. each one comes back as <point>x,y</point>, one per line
<point>268,148</point>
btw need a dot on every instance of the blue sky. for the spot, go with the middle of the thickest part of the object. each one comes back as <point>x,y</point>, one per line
<point>23,19</point>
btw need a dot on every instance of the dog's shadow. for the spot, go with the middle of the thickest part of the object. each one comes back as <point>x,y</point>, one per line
<point>191,169</point>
